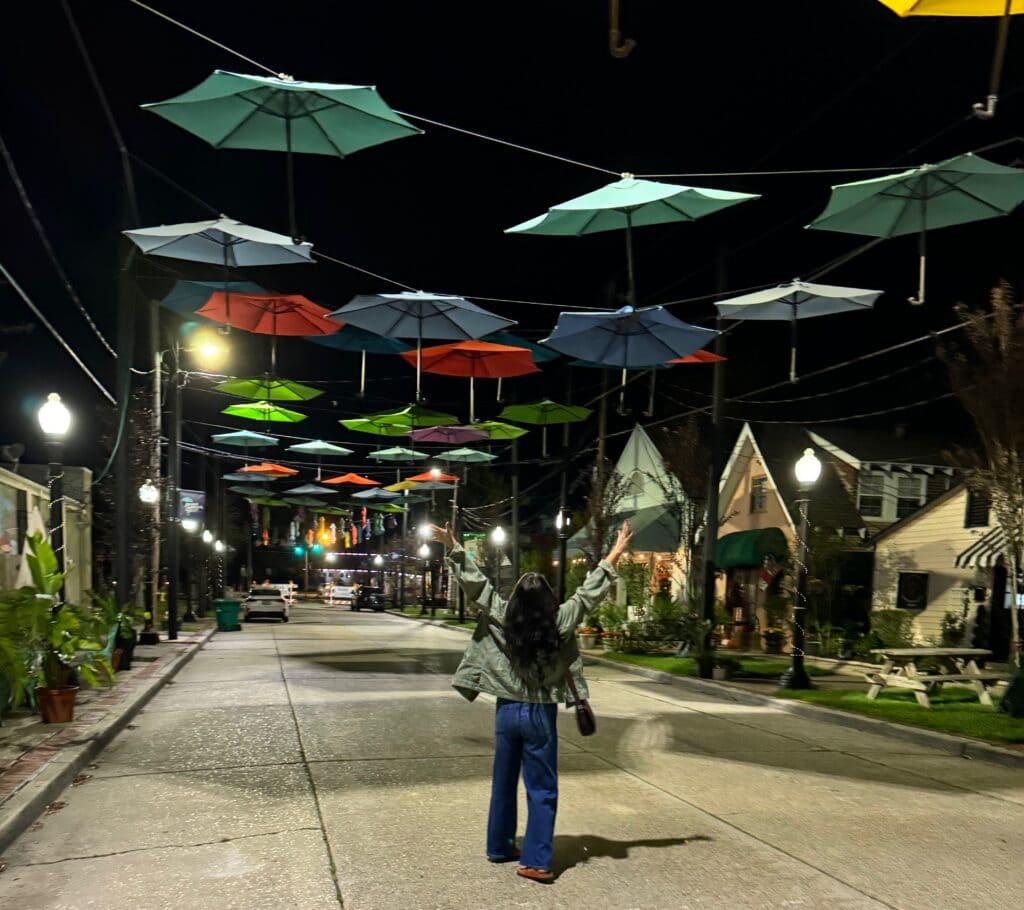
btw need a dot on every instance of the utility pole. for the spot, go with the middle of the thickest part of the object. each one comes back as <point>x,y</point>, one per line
<point>153,588</point>
<point>122,467</point>
<point>515,509</point>
<point>173,524</point>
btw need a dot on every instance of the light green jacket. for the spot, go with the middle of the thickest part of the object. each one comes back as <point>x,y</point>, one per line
<point>485,666</point>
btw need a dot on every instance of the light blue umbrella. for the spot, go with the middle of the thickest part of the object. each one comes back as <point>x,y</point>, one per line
<point>468,456</point>
<point>222,241</point>
<point>319,447</point>
<point>419,315</point>
<point>397,453</point>
<point>245,439</point>
<point>375,495</point>
<point>311,489</point>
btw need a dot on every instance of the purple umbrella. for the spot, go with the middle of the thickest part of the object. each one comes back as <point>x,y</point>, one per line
<point>455,436</point>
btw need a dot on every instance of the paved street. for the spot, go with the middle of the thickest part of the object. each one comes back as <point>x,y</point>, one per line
<point>327,763</point>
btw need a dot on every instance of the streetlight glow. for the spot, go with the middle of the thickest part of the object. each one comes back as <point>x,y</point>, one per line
<point>378,560</point>
<point>54,417</point>
<point>191,525</point>
<point>435,473</point>
<point>218,546</point>
<point>563,519</point>
<point>207,536</point>
<point>149,493</point>
<point>808,468</point>
<point>498,536</point>
<point>424,552</point>
<point>331,557</point>
<point>423,531</point>
<point>209,348</point>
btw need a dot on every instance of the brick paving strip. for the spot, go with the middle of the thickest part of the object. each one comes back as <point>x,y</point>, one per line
<point>746,693</point>
<point>38,761</point>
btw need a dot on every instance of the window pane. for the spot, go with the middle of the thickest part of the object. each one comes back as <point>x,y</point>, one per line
<point>905,507</point>
<point>872,484</point>
<point>908,486</point>
<point>871,506</point>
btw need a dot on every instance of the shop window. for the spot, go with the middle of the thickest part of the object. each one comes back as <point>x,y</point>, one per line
<point>978,508</point>
<point>870,495</point>
<point>912,591</point>
<point>759,494</point>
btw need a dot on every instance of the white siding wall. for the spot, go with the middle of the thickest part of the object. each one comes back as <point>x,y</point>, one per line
<point>929,543</point>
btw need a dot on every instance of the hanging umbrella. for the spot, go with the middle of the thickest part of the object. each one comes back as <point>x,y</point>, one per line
<point>699,357</point>
<point>539,353</point>
<point>311,489</point>
<point>451,436</point>
<point>433,485</point>
<point>473,359</point>
<point>188,296</point>
<point>353,479</point>
<point>385,507</point>
<point>428,476</point>
<point>238,477</point>
<point>352,339</point>
<point>956,191</point>
<point>545,413</point>
<point>469,456</point>
<point>626,204</point>
<point>981,8</point>
<point>268,468</point>
<point>495,429</point>
<point>264,410</point>
<point>270,314</point>
<point>304,501</point>
<point>247,490</point>
<point>269,389</point>
<point>245,439</point>
<point>415,314</point>
<point>368,425</point>
<point>397,453</point>
<point>696,356</point>
<point>282,114</point>
<point>266,501</point>
<point>412,417</point>
<point>796,300</point>
<point>221,241</point>
<point>627,338</point>
<point>319,448</point>
<point>401,486</point>
<point>376,495</point>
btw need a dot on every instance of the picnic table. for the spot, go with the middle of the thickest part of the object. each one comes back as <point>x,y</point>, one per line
<point>899,670</point>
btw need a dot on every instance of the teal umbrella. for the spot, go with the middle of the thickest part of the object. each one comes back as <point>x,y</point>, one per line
<point>467,456</point>
<point>626,204</point>
<point>304,501</point>
<point>956,191</point>
<point>245,439</point>
<point>282,114</point>
<point>252,491</point>
<point>397,453</point>
<point>319,448</point>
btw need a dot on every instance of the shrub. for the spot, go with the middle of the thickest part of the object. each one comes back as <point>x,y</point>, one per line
<point>893,628</point>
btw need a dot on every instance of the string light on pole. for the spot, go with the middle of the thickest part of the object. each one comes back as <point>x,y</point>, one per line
<point>807,471</point>
<point>55,421</point>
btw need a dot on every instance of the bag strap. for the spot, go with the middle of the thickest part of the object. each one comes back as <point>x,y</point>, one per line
<point>572,687</point>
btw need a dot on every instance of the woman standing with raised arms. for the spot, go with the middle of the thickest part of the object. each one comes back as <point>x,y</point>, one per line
<point>524,653</point>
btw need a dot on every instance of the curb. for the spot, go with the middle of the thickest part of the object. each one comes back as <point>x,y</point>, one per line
<point>440,623</point>
<point>29,802</point>
<point>954,745</point>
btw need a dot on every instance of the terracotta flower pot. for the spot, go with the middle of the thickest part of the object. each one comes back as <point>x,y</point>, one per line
<point>57,706</point>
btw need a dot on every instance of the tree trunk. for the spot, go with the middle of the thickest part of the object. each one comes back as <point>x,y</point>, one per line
<point>1014,619</point>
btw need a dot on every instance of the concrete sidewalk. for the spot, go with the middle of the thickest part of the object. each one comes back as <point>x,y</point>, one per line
<point>327,763</point>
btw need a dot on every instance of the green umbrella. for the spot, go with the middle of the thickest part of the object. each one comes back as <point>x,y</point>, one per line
<point>495,429</point>
<point>266,501</point>
<point>626,204</point>
<point>397,453</point>
<point>252,491</point>
<point>304,501</point>
<point>267,389</point>
<point>956,191</point>
<point>468,456</point>
<point>264,410</point>
<point>282,114</point>
<point>245,439</point>
<point>319,447</point>
<point>545,413</point>
<point>385,507</point>
<point>368,425</point>
<point>414,416</point>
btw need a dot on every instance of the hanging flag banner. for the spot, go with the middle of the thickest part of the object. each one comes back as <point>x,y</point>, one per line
<point>192,505</point>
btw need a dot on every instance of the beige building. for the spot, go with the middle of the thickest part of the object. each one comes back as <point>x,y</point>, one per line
<point>25,507</point>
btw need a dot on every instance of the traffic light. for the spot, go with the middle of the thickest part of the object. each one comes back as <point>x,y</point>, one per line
<point>298,551</point>
<point>316,548</point>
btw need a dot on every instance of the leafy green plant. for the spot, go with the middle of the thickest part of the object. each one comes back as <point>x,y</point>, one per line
<point>893,628</point>
<point>611,616</point>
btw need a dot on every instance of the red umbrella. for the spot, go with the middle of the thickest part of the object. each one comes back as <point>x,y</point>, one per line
<point>428,475</point>
<point>354,479</point>
<point>270,314</point>
<point>269,469</point>
<point>701,356</point>
<point>474,359</point>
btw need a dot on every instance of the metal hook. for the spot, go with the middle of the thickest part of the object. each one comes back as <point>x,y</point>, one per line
<point>616,46</point>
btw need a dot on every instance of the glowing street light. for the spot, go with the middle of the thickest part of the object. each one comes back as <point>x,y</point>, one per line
<point>207,536</point>
<point>54,418</point>
<point>149,493</point>
<point>190,525</point>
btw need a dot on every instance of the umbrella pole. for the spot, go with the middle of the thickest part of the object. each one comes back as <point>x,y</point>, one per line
<point>498,396</point>
<point>362,374</point>
<point>273,354</point>
<point>472,401</point>
<point>987,110</point>
<point>792,347</point>
<point>290,176</point>
<point>227,293</point>
<point>650,395</point>
<point>419,363</point>
<point>544,441</point>
<point>622,393</point>
<point>922,266</point>
<point>629,260</point>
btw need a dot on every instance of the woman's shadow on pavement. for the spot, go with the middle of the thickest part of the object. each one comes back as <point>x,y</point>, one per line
<point>575,849</point>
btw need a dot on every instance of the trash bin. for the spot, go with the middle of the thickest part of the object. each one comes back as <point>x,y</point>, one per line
<point>227,615</point>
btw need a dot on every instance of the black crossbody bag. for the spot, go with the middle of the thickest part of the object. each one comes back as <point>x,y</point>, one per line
<point>585,720</point>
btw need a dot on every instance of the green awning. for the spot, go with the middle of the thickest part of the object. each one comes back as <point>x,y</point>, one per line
<point>749,548</point>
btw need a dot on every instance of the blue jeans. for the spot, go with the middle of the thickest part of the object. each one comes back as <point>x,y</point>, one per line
<point>524,737</point>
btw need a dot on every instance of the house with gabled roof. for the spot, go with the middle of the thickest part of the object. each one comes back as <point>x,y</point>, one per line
<point>868,481</point>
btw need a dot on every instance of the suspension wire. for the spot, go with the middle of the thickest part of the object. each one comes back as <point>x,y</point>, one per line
<point>784,173</point>
<point>202,203</point>
<point>50,328</point>
<point>45,241</point>
<point>357,268</point>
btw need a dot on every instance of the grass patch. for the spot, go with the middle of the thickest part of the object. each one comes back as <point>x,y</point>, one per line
<point>954,710</point>
<point>752,667</point>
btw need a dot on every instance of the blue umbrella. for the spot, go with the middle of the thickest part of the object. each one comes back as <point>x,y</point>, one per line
<point>188,296</point>
<point>351,338</point>
<point>539,353</point>
<point>419,315</point>
<point>627,339</point>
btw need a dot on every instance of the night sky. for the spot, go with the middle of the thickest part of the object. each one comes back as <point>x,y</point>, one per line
<point>710,87</point>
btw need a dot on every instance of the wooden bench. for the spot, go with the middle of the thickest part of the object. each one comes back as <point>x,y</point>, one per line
<point>956,665</point>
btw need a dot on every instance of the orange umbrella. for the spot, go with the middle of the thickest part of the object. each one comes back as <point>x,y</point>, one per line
<point>475,360</point>
<point>427,475</point>
<point>701,356</point>
<point>354,479</point>
<point>268,468</point>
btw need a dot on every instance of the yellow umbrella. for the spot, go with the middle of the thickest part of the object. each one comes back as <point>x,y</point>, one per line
<point>978,8</point>
<point>401,486</point>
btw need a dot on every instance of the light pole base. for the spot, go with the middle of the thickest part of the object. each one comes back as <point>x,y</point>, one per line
<point>149,638</point>
<point>795,678</point>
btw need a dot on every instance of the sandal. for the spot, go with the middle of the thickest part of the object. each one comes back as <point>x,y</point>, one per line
<point>543,876</point>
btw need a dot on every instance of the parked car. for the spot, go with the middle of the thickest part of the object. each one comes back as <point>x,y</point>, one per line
<point>265,602</point>
<point>341,595</point>
<point>368,598</point>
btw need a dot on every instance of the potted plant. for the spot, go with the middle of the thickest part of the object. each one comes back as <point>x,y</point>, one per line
<point>588,637</point>
<point>610,640</point>
<point>59,640</point>
<point>776,609</point>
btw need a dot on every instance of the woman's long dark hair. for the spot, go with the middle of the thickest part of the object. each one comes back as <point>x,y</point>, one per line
<point>532,641</point>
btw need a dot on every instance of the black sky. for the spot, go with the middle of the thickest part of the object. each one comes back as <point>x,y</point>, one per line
<point>710,87</point>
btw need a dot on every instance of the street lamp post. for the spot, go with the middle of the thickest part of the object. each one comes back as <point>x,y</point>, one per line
<point>562,521</point>
<point>807,470</point>
<point>424,553</point>
<point>149,495</point>
<point>378,564</point>
<point>498,538</point>
<point>55,421</point>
